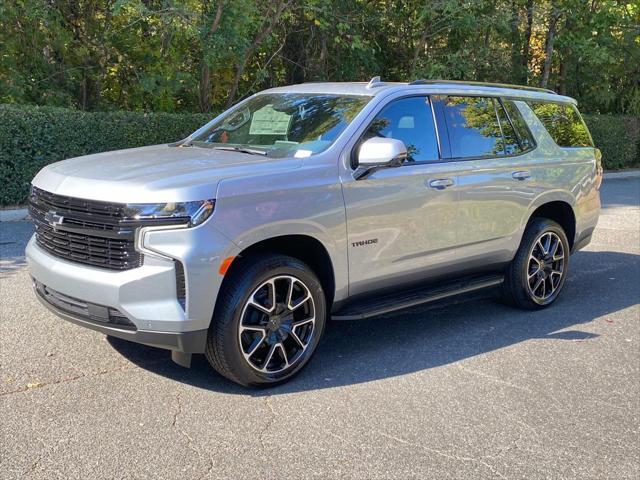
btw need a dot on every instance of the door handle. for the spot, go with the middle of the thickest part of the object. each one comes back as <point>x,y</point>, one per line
<point>440,183</point>
<point>521,175</point>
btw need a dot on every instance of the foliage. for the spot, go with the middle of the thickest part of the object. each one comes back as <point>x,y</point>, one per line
<point>618,137</point>
<point>32,137</point>
<point>202,55</point>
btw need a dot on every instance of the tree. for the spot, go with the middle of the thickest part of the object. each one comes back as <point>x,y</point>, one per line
<point>203,55</point>
<point>554,16</point>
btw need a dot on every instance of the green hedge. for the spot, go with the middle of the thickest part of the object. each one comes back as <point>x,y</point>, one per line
<point>618,137</point>
<point>32,137</point>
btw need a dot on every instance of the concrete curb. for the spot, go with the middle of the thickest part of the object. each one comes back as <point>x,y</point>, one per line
<point>627,174</point>
<point>13,215</point>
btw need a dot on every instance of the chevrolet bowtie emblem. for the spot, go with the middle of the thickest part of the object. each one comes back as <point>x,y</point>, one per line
<point>53,219</point>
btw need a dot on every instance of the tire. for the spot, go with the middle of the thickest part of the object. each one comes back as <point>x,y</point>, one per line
<point>522,287</point>
<point>255,347</point>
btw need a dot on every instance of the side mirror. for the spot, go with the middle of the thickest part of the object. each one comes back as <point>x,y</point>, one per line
<point>379,152</point>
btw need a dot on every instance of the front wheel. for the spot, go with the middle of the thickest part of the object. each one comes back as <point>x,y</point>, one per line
<point>535,277</point>
<point>268,321</point>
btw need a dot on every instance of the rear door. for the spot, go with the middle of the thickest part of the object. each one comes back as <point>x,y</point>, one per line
<point>400,226</point>
<point>495,186</point>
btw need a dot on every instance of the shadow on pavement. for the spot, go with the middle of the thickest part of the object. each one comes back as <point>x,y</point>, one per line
<point>13,239</point>
<point>11,264</point>
<point>428,337</point>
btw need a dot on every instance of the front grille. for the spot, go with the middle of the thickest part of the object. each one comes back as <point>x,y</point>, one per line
<point>79,205</point>
<point>90,312</point>
<point>84,231</point>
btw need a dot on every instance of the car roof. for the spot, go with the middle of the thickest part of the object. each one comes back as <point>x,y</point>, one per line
<point>338,88</point>
<point>446,87</point>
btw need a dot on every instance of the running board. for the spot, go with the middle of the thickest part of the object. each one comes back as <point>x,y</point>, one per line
<point>362,309</point>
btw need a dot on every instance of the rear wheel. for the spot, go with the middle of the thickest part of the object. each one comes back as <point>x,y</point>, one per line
<point>535,277</point>
<point>268,321</point>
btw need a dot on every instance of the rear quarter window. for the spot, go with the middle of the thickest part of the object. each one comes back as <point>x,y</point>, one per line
<point>564,123</point>
<point>522,130</point>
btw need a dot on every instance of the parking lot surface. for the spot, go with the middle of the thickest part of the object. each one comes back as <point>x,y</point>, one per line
<point>469,389</point>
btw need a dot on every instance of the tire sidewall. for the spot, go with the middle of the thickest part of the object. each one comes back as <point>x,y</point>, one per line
<point>540,228</point>
<point>232,348</point>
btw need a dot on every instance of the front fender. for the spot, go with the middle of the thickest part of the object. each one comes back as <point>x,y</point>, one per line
<point>308,202</point>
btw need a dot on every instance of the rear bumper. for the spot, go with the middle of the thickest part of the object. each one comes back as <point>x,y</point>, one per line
<point>587,213</point>
<point>185,342</point>
<point>583,240</point>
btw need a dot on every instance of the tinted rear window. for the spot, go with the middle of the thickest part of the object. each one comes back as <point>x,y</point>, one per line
<point>522,130</point>
<point>564,124</point>
<point>473,127</point>
<point>511,142</point>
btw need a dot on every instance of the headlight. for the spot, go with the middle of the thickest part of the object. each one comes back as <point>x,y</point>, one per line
<point>173,213</point>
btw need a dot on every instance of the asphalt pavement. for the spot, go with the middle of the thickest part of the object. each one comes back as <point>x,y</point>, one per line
<point>471,389</point>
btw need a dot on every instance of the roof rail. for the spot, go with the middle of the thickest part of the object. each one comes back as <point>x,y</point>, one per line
<point>481,84</point>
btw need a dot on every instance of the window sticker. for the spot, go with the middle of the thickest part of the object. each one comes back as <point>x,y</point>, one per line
<point>268,121</point>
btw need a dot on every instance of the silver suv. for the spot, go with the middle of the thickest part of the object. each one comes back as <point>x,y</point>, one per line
<point>316,201</point>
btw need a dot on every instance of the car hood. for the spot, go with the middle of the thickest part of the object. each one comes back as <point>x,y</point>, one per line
<point>159,173</point>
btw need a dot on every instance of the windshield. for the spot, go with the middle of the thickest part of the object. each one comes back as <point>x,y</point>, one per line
<point>283,124</point>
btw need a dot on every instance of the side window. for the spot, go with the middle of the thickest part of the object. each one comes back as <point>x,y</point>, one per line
<point>510,143</point>
<point>473,127</point>
<point>410,120</point>
<point>564,124</point>
<point>522,130</point>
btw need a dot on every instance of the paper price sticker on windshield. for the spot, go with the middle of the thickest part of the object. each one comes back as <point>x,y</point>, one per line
<point>268,121</point>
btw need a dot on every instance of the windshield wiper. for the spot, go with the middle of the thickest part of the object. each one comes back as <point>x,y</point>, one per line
<point>251,151</point>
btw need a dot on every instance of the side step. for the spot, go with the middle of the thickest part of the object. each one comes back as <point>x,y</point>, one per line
<point>362,309</point>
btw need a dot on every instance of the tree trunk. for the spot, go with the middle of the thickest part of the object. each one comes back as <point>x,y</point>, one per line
<point>216,20</point>
<point>548,52</point>
<point>264,33</point>
<point>526,42</point>
<point>565,58</point>
<point>562,80</point>
<point>83,91</point>
<point>324,54</point>
<point>516,43</point>
<point>422,42</point>
<point>204,93</point>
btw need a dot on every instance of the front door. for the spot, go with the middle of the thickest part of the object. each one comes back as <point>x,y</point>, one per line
<point>401,221</point>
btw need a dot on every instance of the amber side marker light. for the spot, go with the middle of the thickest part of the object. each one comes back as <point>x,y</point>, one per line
<point>224,266</point>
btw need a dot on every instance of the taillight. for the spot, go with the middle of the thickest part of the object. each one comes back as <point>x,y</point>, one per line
<point>599,169</point>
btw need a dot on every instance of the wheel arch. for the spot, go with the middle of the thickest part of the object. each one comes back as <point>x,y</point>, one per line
<point>561,212</point>
<point>305,248</point>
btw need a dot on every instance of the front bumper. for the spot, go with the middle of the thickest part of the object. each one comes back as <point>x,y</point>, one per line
<point>147,296</point>
<point>185,342</point>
